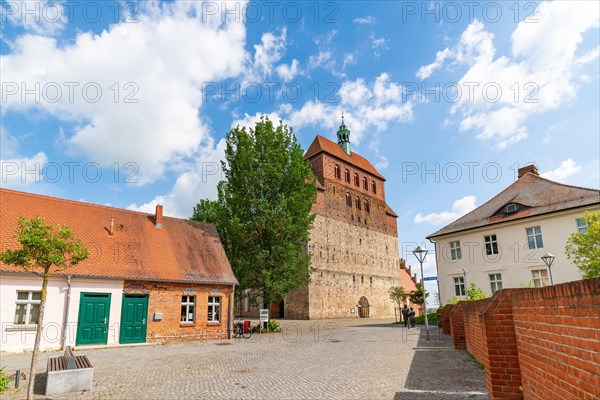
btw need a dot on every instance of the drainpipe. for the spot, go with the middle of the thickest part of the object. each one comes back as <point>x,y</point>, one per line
<point>230,324</point>
<point>66,319</point>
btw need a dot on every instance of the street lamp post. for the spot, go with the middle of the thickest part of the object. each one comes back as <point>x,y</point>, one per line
<point>548,259</point>
<point>421,253</point>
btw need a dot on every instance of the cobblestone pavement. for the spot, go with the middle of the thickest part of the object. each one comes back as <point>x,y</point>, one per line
<point>331,359</point>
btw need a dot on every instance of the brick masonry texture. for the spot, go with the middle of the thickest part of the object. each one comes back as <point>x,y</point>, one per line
<point>535,343</point>
<point>165,298</point>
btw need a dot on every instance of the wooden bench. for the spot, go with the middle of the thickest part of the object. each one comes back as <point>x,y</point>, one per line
<point>68,373</point>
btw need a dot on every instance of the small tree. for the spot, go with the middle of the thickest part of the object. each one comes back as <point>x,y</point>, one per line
<point>417,296</point>
<point>584,247</point>
<point>43,252</point>
<point>397,295</point>
<point>475,293</point>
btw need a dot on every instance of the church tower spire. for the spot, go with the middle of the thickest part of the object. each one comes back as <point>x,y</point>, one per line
<point>343,135</point>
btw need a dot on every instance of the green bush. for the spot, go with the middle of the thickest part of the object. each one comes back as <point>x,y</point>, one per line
<point>4,380</point>
<point>272,324</point>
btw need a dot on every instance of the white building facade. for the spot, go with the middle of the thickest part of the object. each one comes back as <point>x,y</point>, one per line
<point>500,244</point>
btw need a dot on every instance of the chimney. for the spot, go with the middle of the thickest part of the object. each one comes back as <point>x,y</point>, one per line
<point>158,216</point>
<point>528,168</point>
<point>111,230</point>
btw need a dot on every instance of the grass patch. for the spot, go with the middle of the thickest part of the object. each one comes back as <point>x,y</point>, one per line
<point>421,320</point>
<point>432,319</point>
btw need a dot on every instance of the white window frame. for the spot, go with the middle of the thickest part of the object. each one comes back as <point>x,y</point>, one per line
<point>29,302</point>
<point>189,301</point>
<point>533,234</point>
<point>490,249</point>
<point>536,276</point>
<point>214,305</point>
<point>455,252</point>
<point>459,283</point>
<point>495,282</point>
<point>582,226</point>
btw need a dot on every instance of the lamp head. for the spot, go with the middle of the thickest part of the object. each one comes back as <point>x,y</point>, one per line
<point>548,259</point>
<point>420,253</point>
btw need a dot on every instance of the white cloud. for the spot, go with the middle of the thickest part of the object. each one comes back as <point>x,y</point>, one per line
<point>349,59</point>
<point>324,59</point>
<point>368,20</point>
<point>43,17</point>
<point>168,55</point>
<point>459,208</point>
<point>288,72</point>
<point>200,182</point>
<point>367,107</point>
<point>378,44</point>
<point>20,172</point>
<point>425,71</point>
<point>543,73</point>
<point>269,51</point>
<point>563,171</point>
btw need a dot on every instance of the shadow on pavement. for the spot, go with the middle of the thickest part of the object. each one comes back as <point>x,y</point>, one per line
<point>437,371</point>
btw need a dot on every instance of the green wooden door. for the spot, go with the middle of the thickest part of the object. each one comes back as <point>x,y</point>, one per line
<point>93,318</point>
<point>134,316</point>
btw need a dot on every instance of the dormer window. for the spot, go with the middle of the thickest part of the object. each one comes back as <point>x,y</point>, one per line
<point>511,208</point>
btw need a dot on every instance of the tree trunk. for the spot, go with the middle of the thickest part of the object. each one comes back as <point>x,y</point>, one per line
<point>38,336</point>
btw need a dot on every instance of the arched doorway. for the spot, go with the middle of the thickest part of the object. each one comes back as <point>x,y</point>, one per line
<point>363,307</point>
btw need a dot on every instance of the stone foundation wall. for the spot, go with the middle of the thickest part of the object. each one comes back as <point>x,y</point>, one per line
<point>351,262</point>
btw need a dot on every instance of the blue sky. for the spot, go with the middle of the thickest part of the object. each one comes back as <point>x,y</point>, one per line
<point>127,103</point>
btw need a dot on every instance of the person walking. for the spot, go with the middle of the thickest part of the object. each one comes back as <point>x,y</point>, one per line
<point>411,316</point>
<point>405,312</point>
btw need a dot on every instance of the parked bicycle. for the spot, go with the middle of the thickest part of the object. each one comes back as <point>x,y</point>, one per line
<point>242,329</point>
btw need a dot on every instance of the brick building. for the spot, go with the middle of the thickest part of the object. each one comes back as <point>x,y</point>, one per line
<point>354,240</point>
<point>148,278</point>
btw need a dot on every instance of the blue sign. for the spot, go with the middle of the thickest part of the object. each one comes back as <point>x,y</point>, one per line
<point>430,278</point>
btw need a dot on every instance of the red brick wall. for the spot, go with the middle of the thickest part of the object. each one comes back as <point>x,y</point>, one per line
<point>475,336</point>
<point>446,318</point>
<point>457,325</point>
<point>332,202</point>
<point>165,298</point>
<point>502,375</point>
<point>534,343</point>
<point>558,338</point>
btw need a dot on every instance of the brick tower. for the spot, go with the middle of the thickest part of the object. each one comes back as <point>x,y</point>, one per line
<point>354,240</point>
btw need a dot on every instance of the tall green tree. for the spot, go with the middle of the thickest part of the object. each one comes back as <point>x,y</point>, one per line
<point>584,247</point>
<point>43,250</point>
<point>263,212</point>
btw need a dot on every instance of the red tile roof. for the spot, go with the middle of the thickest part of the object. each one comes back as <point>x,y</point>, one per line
<point>538,195</point>
<point>182,251</point>
<point>322,144</point>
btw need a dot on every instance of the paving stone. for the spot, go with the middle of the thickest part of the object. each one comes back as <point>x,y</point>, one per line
<point>358,359</point>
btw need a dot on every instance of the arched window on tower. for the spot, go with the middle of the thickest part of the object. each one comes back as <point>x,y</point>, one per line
<point>357,203</point>
<point>347,175</point>
<point>348,200</point>
<point>373,187</point>
<point>367,206</point>
<point>356,180</point>
<point>365,183</point>
<point>338,172</point>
